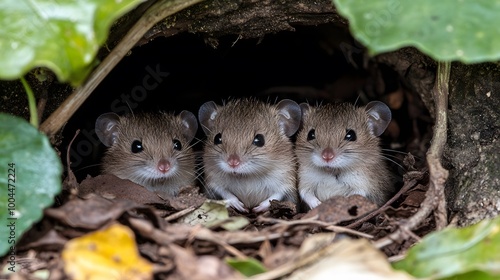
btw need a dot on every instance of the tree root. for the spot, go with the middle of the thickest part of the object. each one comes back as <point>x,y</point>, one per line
<point>435,198</point>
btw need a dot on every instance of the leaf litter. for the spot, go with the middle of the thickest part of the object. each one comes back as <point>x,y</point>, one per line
<point>190,237</point>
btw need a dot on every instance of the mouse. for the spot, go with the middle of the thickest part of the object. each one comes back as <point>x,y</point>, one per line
<point>248,156</point>
<point>339,153</point>
<point>150,149</point>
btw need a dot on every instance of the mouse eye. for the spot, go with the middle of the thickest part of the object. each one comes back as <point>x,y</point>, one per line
<point>311,135</point>
<point>177,145</point>
<point>218,139</point>
<point>350,135</point>
<point>259,140</point>
<point>136,147</point>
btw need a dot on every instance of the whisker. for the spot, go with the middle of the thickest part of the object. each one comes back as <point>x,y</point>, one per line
<point>88,166</point>
<point>392,156</point>
<point>395,151</point>
<point>393,161</point>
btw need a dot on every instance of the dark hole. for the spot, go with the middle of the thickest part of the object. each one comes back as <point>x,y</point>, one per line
<point>353,211</point>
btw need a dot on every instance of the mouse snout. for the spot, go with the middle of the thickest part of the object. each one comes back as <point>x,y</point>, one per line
<point>233,160</point>
<point>328,154</point>
<point>163,165</point>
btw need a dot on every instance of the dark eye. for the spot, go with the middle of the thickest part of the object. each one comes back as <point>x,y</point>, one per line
<point>311,135</point>
<point>259,140</point>
<point>137,147</point>
<point>218,139</point>
<point>350,135</point>
<point>177,145</point>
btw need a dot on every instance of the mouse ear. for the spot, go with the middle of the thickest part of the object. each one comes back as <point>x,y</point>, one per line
<point>290,114</point>
<point>206,115</point>
<point>305,109</point>
<point>190,124</point>
<point>106,128</point>
<point>379,117</point>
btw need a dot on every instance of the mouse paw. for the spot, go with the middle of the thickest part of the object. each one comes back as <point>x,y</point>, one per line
<point>236,204</point>
<point>262,207</point>
<point>313,202</point>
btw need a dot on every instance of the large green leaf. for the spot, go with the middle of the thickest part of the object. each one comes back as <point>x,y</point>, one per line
<point>446,30</point>
<point>457,253</point>
<point>63,35</point>
<point>30,177</point>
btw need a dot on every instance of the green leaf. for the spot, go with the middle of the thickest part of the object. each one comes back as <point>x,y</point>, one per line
<point>63,35</point>
<point>476,275</point>
<point>248,267</point>
<point>30,177</point>
<point>446,30</point>
<point>453,252</point>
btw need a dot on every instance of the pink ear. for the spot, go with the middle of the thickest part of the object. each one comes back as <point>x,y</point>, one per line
<point>290,115</point>
<point>190,124</point>
<point>206,116</point>
<point>379,117</point>
<point>106,128</point>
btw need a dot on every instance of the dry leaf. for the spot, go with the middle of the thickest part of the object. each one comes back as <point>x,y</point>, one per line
<point>348,259</point>
<point>341,209</point>
<point>107,254</point>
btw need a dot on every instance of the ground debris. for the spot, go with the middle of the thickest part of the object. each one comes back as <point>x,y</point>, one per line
<point>178,250</point>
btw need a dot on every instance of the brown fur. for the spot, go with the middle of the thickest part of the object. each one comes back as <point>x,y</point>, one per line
<point>239,121</point>
<point>156,132</point>
<point>366,175</point>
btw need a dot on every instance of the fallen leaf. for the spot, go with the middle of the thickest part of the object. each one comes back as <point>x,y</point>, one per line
<point>106,254</point>
<point>210,213</point>
<point>91,213</point>
<point>348,259</point>
<point>112,187</point>
<point>234,223</point>
<point>282,209</point>
<point>453,252</point>
<point>247,267</point>
<point>279,255</point>
<point>189,266</point>
<point>341,209</point>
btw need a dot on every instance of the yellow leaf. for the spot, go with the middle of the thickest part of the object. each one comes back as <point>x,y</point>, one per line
<point>107,254</point>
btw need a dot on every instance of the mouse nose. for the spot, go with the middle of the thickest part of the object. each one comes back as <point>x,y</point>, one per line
<point>328,154</point>
<point>233,161</point>
<point>163,166</point>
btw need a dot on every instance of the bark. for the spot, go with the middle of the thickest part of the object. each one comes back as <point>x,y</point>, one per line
<point>246,18</point>
<point>472,150</point>
<point>473,145</point>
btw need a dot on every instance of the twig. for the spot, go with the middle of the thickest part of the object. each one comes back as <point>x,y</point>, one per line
<point>180,232</point>
<point>68,161</point>
<point>180,214</point>
<point>42,102</point>
<point>315,222</point>
<point>396,258</point>
<point>434,199</point>
<point>221,242</point>
<point>438,174</point>
<point>70,181</point>
<point>407,185</point>
<point>153,15</point>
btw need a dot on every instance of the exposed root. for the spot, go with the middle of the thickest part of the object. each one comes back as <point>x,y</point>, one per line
<point>435,199</point>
